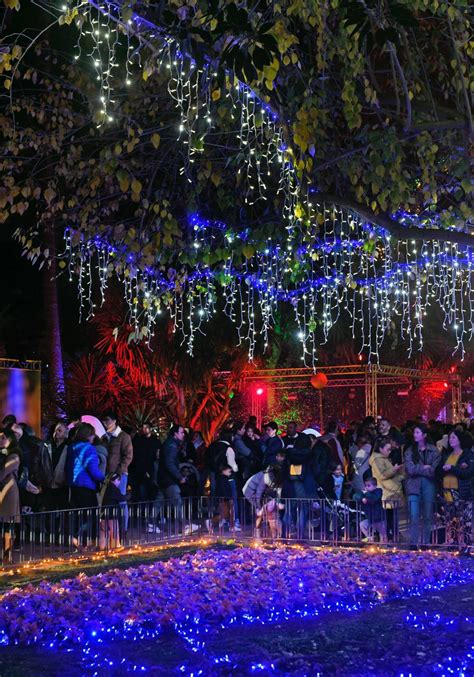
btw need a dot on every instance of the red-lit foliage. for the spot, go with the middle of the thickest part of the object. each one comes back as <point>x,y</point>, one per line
<point>157,382</point>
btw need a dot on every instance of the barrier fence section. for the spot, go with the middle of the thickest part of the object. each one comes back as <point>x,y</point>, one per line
<point>62,533</point>
<point>333,522</point>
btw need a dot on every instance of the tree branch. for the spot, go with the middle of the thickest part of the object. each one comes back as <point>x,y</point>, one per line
<point>461,76</point>
<point>427,86</point>
<point>396,229</point>
<point>395,84</point>
<point>403,81</point>
<point>438,126</point>
<point>414,131</point>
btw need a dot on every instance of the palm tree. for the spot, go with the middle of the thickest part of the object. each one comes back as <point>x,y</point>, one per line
<point>161,380</point>
<point>52,347</point>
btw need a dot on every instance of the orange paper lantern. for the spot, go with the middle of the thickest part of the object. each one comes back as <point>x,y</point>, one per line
<point>319,381</point>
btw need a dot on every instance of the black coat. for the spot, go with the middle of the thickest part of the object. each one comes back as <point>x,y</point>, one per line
<point>465,475</point>
<point>271,446</point>
<point>110,503</point>
<point>144,456</point>
<point>321,462</point>
<point>373,509</point>
<point>112,496</point>
<point>256,455</point>
<point>169,464</point>
<point>35,457</point>
<point>299,457</point>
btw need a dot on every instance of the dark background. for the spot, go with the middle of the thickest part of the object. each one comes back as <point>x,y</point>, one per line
<point>22,305</point>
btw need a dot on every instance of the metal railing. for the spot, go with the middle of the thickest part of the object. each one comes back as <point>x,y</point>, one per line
<point>63,533</point>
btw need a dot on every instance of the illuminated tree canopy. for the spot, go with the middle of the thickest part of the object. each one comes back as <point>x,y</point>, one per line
<point>234,156</point>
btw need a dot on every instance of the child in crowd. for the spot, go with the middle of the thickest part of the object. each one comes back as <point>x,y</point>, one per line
<point>334,489</point>
<point>374,512</point>
<point>109,534</point>
<point>280,458</point>
<point>263,491</point>
<point>337,483</point>
<point>360,453</point>
<point>269,513</point>
<point>226,492</point>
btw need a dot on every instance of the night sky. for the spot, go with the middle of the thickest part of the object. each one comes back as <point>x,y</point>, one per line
<point>22,304</point>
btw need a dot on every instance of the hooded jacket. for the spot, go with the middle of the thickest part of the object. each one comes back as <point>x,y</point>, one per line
<point>388,479</point>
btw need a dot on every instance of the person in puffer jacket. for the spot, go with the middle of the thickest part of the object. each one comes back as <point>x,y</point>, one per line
<point>263,492</point>
<point>254,488</point>
<point>82,468</point>
<point>83,476</point>
<point>389,478</point>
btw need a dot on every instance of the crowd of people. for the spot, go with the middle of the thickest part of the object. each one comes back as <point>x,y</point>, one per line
<point>372,464</point>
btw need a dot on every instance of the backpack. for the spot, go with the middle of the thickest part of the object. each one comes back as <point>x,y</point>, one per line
<point>216,454</point>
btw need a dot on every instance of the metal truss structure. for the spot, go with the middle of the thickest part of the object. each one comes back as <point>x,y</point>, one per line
<point>370,377</point>
<point>32,365</point>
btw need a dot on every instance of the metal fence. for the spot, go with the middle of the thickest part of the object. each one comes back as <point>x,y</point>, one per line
<point>62,533</point>
<point>342,522</point>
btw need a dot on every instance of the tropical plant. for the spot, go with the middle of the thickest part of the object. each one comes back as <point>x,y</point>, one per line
<point>157,382</point>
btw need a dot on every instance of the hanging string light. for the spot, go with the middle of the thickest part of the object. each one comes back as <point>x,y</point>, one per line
<point>337,265</point>
<point>349,272</point>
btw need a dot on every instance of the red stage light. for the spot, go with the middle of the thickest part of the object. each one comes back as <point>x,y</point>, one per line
<point>445,384</point>
<point>259,391</point>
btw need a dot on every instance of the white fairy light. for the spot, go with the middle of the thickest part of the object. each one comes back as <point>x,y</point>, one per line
<point>358,272</point>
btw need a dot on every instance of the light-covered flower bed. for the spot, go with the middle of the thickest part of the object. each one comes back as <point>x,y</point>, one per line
<point>211,585</point>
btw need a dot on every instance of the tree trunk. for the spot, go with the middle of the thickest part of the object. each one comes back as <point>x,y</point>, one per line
<point>52,331</point>
<point>197,415</point>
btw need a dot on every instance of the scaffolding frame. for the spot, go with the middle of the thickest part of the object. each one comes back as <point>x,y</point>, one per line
<point>370,377</point>
<point>33,365</point>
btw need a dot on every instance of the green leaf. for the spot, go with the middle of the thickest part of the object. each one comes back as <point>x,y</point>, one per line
<point>403,15</point>
<point>261,58</point>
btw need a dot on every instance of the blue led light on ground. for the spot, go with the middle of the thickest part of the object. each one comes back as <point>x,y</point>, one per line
<point>198,631</point>
<point>429,620</point>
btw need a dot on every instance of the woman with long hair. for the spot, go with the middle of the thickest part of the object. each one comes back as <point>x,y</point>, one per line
<point>457,475</point>
<point>421,461</point>
<point>389,478</point>
<point>9,494</point>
